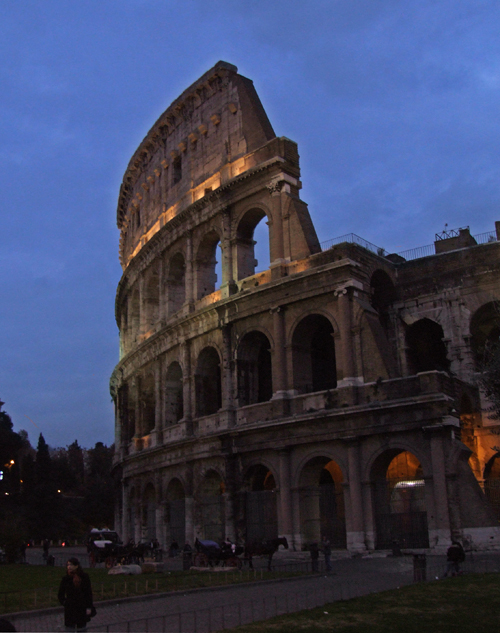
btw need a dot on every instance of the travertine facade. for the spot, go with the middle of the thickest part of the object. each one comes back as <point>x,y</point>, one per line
<point>325,395</point>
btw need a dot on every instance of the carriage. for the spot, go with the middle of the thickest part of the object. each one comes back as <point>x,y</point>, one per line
<point>104,546</point>
<point>212,554</point>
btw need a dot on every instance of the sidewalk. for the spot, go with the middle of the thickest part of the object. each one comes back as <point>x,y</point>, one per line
<point>198,609</point>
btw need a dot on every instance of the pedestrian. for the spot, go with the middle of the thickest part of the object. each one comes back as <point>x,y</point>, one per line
<point>327,552</point>
<point>454,556</point>
<point>75,594</point>
<point>313,548</point>
<point>187,557</point>
<point>45,545</point>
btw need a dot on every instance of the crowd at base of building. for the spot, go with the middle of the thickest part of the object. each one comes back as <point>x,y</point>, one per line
<point>333,393</point>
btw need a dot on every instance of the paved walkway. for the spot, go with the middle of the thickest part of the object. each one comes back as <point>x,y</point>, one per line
<point>207,610</point>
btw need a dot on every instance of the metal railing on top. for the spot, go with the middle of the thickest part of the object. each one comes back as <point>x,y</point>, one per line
<point>412,253</point>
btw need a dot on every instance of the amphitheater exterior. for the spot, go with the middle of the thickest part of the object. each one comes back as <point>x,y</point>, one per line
<point>332,393</point>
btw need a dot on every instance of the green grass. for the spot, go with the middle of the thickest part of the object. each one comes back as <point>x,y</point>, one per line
<point>28,587</point>
<point>467,604</point>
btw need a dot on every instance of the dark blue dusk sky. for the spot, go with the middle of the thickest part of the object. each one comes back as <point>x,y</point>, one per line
<point>394,106</point>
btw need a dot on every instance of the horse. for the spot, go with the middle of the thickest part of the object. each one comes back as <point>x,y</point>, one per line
<point>264,548</point>
<point>210,553</point>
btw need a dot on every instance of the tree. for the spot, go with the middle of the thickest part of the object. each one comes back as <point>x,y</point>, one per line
<point>99,485</point>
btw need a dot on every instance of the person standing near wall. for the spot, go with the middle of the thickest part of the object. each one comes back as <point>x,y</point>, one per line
<point>327,552</point>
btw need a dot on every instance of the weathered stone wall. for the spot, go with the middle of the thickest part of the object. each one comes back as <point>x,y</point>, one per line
<point>284,398</point>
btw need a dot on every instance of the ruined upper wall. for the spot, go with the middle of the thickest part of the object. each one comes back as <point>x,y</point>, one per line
<point>196,145</point>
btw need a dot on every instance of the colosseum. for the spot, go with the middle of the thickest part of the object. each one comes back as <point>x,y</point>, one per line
<point>332,391</point>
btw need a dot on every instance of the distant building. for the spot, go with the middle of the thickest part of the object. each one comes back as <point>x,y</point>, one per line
<point>331,394</point>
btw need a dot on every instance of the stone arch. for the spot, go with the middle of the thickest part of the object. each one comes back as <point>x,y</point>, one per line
<point>245,242</point>
<point>176,283</point>
<point>208,387</point>
<point>485,331</point>
<point>398,500</point>
<point>174,394</point>
<point>425,347</point>
<point>205,265</point>
<point>209,507</point>
<point>149,512</point>
<point>313,350</point>
<point>254,369</point>
<point>175,513</point>
<point>261,509</point>
<point>321,500</point>
<point>492,483</point>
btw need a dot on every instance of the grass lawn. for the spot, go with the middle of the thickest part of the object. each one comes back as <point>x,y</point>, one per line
<point>27,587</point>
<point>466,604</point>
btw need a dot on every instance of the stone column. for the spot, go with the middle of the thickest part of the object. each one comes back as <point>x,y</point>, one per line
<point>187,379</point>
<point>346,347</point>
<point>297,534</point>
<point>124,518</point>
<point>157,433</point>
<point>189,276</point>
<point>286,529</point>
<point>280,383</point>
<point>162,295</point>
<point>227,377</point>
<point>441,534</point>
<point>142,309</point>
<point>276,228</point>
<point>189,509</point>
<point>356,535</point>
<point>229,527</point>
<point>228,285</point>
<point>123,333</point>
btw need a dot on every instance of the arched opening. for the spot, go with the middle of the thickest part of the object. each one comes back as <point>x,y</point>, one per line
<point>205,265</point>
<point>151,300</point>
<point>175,513</point>
<point>313,347</point>
<point>176,284</point>
<point>148,403</point>
<point>383,295</point>
<point>255,383</point>
<point>399,501</point>
<point>426,348</point>
<point>322,509</point>
<point>485,332</point>
<point>210,510</point>
<point>251,226</point>
<point>149,529</point>
<point>492,483</point>
<point>174,394</point>
<point>261,516</point>
<point>208,382</point>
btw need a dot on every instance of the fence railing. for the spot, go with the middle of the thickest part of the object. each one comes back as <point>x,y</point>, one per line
<point>227,616</point>
<point>408,255</point>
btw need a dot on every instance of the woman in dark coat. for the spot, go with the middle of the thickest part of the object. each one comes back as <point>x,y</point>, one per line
<point>75,594</point>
